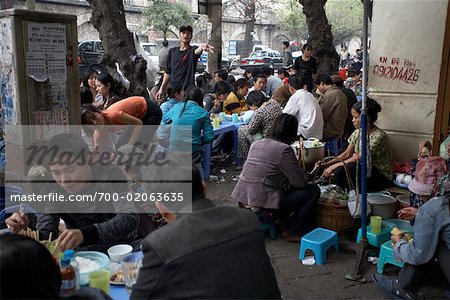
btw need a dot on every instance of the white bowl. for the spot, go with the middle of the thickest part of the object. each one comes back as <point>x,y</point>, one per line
<point>118,251</point>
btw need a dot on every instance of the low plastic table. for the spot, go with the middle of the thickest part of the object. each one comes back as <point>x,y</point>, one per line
<point>223,128</point>
<point>118,292</point>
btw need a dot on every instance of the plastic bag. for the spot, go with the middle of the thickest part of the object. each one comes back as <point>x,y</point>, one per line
<point>354,204</point>
<point>444,150</point>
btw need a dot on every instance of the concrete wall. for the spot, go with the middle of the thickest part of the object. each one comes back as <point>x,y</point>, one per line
<point>405,60</point>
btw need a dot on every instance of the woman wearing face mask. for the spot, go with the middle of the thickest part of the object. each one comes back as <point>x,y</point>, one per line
<point>431,242</point>
<point>380,152</point>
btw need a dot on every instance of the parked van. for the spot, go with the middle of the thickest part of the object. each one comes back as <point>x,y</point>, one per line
<point>152,51</point>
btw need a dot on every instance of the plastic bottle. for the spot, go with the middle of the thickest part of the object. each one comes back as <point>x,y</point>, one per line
<point>68,276</point>
<point>73,262</point>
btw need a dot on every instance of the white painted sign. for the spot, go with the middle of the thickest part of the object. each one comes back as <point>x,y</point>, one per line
<point>46,37</point>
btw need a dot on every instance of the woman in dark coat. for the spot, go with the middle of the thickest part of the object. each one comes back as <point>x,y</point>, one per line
<point>272,181</point>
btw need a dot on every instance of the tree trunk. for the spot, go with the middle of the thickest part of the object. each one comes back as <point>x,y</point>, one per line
<point>370,9</point>
<point>250,20</point>
<point>320,35</point>
<point>215,40</point>
<point>108,17</point>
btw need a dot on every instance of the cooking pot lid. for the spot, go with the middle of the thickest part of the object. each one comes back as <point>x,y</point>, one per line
<point>312,144</point>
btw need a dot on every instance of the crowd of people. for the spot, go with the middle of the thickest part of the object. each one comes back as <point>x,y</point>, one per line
<point>179,249</point>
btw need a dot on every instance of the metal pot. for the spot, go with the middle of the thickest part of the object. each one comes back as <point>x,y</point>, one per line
<point>313,151</point>
<point>383,205</point>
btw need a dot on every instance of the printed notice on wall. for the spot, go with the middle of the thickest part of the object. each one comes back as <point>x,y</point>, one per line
<point>46,37</point>
<point>36,66</point>
<point>52,122</point>
<point>56,64</point>
<point>46,59</point>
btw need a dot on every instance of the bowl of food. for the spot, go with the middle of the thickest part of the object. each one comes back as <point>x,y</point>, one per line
<point>90,261</point>
<point>117,277</point>
<point>118,251</point>
<point>402,225</point>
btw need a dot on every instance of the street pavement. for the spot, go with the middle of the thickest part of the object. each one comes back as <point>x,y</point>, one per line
<point>298,281</point>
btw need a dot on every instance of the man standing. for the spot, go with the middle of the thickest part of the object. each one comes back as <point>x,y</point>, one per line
<point>215,252</point>
<point>182,62</point>
<point>163,54</point>
<point>286,54</point>
<point>334,108</point>
<point>351,100</point>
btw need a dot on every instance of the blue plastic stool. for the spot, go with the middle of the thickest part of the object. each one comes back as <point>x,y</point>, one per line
<point>387,257</point>
<point>270,227</point>
<point>319,240</point>
<point>377,239</point>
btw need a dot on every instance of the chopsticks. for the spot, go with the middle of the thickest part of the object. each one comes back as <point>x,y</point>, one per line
<point>34,234</point>
<point>56,249</point>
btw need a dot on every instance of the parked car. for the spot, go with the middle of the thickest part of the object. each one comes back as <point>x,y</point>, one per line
<point>89,52</point>
<point>152,51</point>
<point>269,58</point>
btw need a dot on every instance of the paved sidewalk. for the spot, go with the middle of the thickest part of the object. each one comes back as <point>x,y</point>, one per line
<point>298,281</point>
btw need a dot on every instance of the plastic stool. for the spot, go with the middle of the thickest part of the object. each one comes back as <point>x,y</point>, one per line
<point>319,240</point>
<point>387,256</point>
<point>377,239</point>
<point>271,228</point>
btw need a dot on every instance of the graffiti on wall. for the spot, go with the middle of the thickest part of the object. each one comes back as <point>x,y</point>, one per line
<point>7,75</point>
<point>395,68</point>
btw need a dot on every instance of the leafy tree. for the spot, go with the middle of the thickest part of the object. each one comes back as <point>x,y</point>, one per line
<point>291,19</point>
<point>162,14</point>
<point>346,18</point>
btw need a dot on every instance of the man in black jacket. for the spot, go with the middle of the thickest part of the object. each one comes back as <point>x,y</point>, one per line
<point>105,217</point>
<point>213,252</point>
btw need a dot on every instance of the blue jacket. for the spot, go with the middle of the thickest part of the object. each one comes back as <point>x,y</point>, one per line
<point>432,226</point>
<point>190,126</point>
<point>166,106</point>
